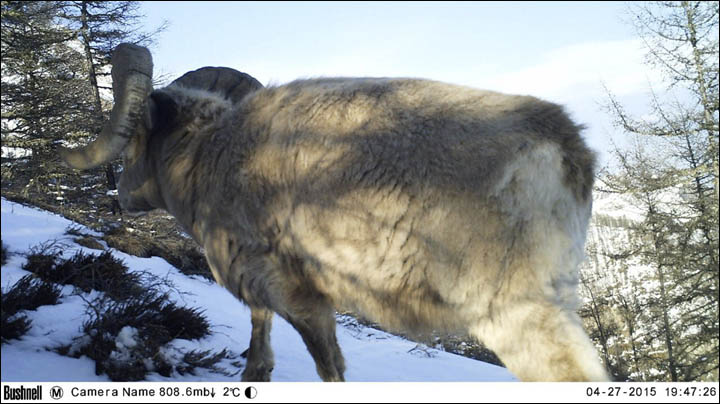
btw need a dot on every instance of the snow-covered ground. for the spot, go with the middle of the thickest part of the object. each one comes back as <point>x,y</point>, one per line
<point>370,354</point>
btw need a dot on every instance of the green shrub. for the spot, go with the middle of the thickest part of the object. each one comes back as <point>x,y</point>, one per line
<point>13,327</point>
<point>103,272</point>
<point>202,359</point>
<point>153,321</point>
<point>28,293</point>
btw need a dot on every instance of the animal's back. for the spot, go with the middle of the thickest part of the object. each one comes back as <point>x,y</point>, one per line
<point>427,132</point>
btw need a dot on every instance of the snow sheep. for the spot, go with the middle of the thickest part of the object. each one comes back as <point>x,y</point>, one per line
<point>420,205</point>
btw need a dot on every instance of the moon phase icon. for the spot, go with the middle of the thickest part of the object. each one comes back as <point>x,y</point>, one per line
<point>250,392</point>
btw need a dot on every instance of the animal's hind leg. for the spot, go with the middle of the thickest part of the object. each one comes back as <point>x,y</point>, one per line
<point>260,360</point>
<point>542,341</point>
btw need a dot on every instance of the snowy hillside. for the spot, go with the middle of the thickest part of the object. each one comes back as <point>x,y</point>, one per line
<point>370,354</point>
<point>608,232</point>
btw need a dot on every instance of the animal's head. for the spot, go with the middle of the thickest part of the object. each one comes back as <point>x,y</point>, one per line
<point>140,114</point>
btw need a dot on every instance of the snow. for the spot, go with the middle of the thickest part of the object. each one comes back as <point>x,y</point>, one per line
<point>617,206</point>
<point>370,354</point>
<point>127,338</point>
<point>15,152</point>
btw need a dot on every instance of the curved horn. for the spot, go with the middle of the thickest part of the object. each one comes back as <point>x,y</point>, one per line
<point>132,82</point>
<point>228,82</point>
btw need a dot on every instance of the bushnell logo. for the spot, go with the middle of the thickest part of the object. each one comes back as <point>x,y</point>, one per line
<point>22,393</point>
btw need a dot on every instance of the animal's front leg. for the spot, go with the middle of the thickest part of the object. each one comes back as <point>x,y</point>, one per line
<point>260,360</point>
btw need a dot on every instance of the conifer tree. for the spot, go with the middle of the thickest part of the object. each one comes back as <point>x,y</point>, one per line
<point>43,93</point>
<point>671,172</point>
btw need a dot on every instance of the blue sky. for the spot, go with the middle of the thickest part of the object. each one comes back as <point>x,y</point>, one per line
<point>561,51</point>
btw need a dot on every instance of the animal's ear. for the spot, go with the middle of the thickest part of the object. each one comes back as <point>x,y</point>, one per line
<point>161,111</point>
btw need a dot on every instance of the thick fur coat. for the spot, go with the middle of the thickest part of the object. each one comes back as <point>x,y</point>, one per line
<point>419,204</point>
